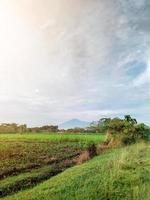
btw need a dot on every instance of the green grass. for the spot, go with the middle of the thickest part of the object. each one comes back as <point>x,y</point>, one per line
<point>31,178</point>
<point>12,184</point>
<point>54,137</point>
<point>120,174</point>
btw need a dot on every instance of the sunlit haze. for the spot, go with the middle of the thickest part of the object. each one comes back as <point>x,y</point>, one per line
<point>67,59</point>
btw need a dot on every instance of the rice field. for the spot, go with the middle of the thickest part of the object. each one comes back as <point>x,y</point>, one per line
<point>55,137</point>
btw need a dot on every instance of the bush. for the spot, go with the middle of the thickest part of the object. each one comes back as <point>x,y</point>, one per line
<point>143,131</point>
<point>126,130</point>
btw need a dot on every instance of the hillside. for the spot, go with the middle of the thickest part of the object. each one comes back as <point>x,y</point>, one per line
<point>120,174</point>
<point>74,123</point>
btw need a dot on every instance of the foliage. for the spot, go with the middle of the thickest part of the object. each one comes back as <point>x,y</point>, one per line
<point>12,128</point>
<point>46,128</point>
<point>16,128</point>
<point>125,130</point>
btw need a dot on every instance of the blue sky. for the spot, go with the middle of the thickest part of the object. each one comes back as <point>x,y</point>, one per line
<point>79,59</point>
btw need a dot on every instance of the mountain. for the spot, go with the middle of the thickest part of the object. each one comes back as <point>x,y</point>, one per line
<point>74,123</point>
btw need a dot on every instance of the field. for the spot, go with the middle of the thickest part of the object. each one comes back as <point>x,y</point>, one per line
<point>28,159</point>
<point>86,138</point>
<point>121,174</point>
<point>46,166</point>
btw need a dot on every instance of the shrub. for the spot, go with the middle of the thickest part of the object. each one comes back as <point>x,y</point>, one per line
<point>125,131</point>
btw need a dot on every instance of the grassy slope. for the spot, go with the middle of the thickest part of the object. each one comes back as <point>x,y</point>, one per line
<point>120,174</point>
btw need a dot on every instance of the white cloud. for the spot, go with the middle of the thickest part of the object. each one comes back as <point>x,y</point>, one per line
<point>68,59</point>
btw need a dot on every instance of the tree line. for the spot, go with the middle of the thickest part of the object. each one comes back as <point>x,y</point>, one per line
<point>16,128</point>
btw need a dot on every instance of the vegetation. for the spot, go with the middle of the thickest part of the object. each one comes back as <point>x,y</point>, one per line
<point>16,128</point>
<point>12,128</point>
<point>87,138</point>
<point>27,159</point>
<point>119,174</point>
<point>124,131</point>
<point>46,128</point>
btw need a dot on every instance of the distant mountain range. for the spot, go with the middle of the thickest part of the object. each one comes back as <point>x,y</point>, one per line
<point>74,123</point>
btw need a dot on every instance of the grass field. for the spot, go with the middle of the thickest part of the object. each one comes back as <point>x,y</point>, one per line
<point>120,174</point>
<point>32,164</point>
<point>26,160</point>
<point>54,137</point>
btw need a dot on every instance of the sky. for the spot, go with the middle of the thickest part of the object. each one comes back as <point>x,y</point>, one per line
<point>65,59</point>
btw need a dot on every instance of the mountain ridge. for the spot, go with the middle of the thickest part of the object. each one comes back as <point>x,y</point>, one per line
<point>74,123</point>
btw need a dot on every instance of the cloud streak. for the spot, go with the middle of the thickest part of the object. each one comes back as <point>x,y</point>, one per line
<point>82,59</point>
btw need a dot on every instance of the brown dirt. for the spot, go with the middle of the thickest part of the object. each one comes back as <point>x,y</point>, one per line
<point>59,165</point>
<point>87,155</point>
<point>16,171</point>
